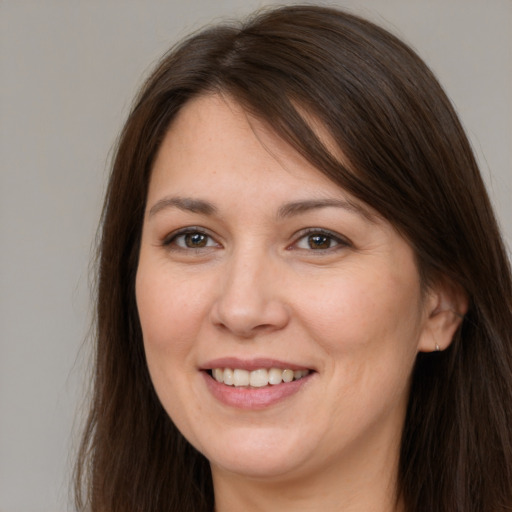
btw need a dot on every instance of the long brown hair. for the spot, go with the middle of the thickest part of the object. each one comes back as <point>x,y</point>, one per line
<point>410,160</point>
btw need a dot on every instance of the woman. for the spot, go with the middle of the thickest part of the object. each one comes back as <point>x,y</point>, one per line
<point>304,302</point>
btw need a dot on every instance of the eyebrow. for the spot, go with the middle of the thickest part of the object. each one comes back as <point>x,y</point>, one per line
<point>183,203</point>
<point>299,207</point>
<point>287,210</point>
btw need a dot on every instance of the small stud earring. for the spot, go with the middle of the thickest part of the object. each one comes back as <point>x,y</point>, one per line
<point>438,348</point>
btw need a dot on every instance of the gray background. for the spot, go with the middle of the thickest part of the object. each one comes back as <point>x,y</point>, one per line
<point>68,71</point>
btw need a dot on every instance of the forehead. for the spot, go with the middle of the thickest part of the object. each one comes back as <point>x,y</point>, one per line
<point>214,142</point>
<point>217,126</point>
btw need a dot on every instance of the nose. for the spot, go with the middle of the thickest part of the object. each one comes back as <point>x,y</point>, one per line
<point>250,298</point>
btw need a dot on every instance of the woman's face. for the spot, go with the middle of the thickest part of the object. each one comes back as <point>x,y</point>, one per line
<point>253,261</point>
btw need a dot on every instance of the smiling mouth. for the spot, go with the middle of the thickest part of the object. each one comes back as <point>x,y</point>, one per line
<point>259,378</point>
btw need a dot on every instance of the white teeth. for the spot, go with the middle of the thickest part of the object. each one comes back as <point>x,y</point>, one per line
<point>287,375</point>
<point>218,375</point>
<point>257,378</point>
<point>240,377</point>
<point>228,377</point>
<point>275,376</point>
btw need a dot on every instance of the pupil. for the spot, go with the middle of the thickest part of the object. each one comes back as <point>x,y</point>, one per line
<point>319,242</point>
<point>195,240</point>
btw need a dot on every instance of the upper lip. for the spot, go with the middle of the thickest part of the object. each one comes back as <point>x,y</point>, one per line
<point>251,364</point>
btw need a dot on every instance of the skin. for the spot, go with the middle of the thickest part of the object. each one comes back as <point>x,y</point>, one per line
<point>351,310</point>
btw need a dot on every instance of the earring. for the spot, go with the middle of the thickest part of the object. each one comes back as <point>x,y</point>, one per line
<point>438,348</point>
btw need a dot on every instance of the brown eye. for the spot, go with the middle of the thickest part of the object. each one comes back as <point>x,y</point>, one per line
<point>195,240</point>
<point>190,239</point>
<point>319,241</point>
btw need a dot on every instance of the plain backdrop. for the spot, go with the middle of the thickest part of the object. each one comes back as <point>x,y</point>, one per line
<point>68,72</point>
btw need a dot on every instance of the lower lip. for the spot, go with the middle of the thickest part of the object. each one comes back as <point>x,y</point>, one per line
<point>253,398</point>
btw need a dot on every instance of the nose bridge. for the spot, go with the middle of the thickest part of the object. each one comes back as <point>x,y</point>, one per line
<point>248,299</point>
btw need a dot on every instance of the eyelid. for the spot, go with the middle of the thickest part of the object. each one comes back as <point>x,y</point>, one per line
<point>341,241</point>
<point>171,237</point>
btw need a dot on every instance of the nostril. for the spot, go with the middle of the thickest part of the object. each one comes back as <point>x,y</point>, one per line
<point>249,317</point>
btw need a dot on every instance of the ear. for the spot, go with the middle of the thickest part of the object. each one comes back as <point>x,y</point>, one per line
<point>446,304</point>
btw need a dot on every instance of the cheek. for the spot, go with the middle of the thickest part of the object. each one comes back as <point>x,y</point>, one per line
<point>169,328</point>
<point>365,310</point>
<point>369,327</point>
<point>169,313</point>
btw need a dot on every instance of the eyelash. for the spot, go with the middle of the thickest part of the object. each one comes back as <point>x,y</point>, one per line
<point>170,240</point>
<point>340,242</point>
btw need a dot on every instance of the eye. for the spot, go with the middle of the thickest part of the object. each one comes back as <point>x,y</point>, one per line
<point>190,238</point>
<point>320,240</point>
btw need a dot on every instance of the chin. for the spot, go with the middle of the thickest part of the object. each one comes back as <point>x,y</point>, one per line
<point>259,455</point>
